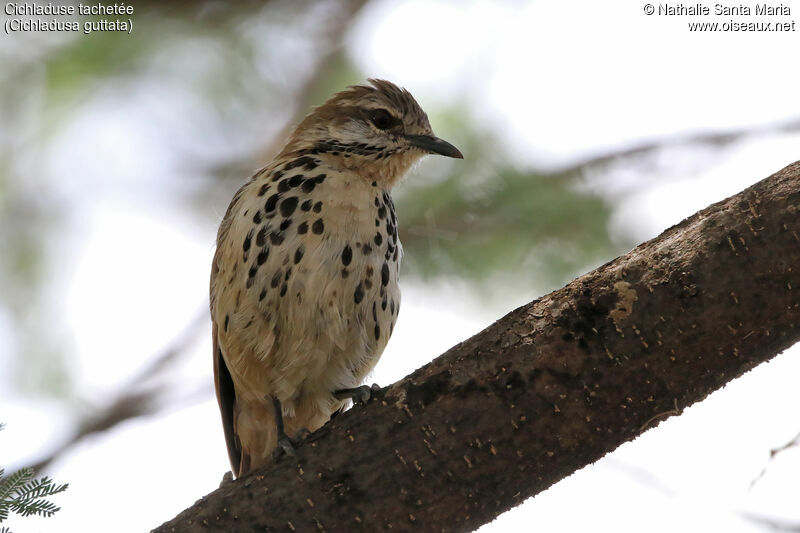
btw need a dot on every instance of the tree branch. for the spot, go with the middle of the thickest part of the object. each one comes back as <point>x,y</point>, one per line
<point>711,139</point>
<point>141,395</point>
<point>547,389</point>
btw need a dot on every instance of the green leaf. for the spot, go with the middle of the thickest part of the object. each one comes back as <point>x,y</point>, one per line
<point>11,484</point>
<point>502,222</point>
<point>21,494</point>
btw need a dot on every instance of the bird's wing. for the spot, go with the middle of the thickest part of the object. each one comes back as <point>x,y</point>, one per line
<point>223,382</point>
<point>226,398</point>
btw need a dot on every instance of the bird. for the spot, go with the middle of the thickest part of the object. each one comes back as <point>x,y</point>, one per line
<point>304,281</point>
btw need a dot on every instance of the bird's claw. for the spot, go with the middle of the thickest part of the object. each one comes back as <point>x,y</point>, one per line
<point>284,447</point>
<point>358,394</point>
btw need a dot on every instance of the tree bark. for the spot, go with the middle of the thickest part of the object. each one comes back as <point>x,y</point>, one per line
<point>547,389</point>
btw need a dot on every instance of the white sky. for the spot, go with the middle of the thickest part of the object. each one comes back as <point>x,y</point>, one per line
<point>557,80</point>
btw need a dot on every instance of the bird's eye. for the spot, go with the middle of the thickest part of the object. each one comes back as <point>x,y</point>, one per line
<point>382,119</point>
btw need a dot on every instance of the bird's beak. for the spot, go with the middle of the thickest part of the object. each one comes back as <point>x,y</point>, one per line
<point>434,145</point>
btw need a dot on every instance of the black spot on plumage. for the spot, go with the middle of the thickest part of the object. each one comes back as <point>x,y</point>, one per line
<point>288,274</point>
<point>319,179</point>
<point>278,174</point>
<point>262,256</point>
<point>257,218</point>
<point>253,270</point>
<point>374,183</point>
<point>308,163</point>
<point>369,271</point>
<point>288,206</point>
<point>302,229</point>
<point>296,180</point>
<point>347,255</point>
<point>345,273</point>
<point>285,223</point>
<point>306,206</point>
<point>276,279</point>
<point>298,254</point>
<point>262,295</point>
<point>318,226</point>
<point>367,249</point>
<point>318,207</point>
<point>391,307</point>
<point>394,257</point>
<point>382,211</point>
<point>308,186</point>
<point>283,289</point>
<point>276,238</point>
<point>263,190</point>
<point>272,201</point>
<point>378,239</point>
<point>385,274</point>
<point>377,202</point>
<point>247,239</point>
<point>262,236</point>
<point>377,332</point>
<point>377,223</point>
<point>384,303</point>
<point>283,186</point>
<point>374,312</point>
<point>358,295</point>
<point>227,319</point>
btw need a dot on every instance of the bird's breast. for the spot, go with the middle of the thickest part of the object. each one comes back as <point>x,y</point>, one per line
<point>318,262</point>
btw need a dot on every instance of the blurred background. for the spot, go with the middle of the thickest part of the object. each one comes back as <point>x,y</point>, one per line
<point>587,127</point>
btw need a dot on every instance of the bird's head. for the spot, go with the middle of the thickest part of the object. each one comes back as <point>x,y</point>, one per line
<point>377,131</point>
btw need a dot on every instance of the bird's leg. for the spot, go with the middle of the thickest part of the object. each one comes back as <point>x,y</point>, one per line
<point>357,394</point>
<point>284,443</point>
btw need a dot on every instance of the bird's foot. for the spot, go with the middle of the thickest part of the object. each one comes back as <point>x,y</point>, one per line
<point>284,444</point>
<point>284,447</point>
<point>357,394</point>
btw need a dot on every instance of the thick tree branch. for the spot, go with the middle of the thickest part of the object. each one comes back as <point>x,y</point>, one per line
<point>547,389</point>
